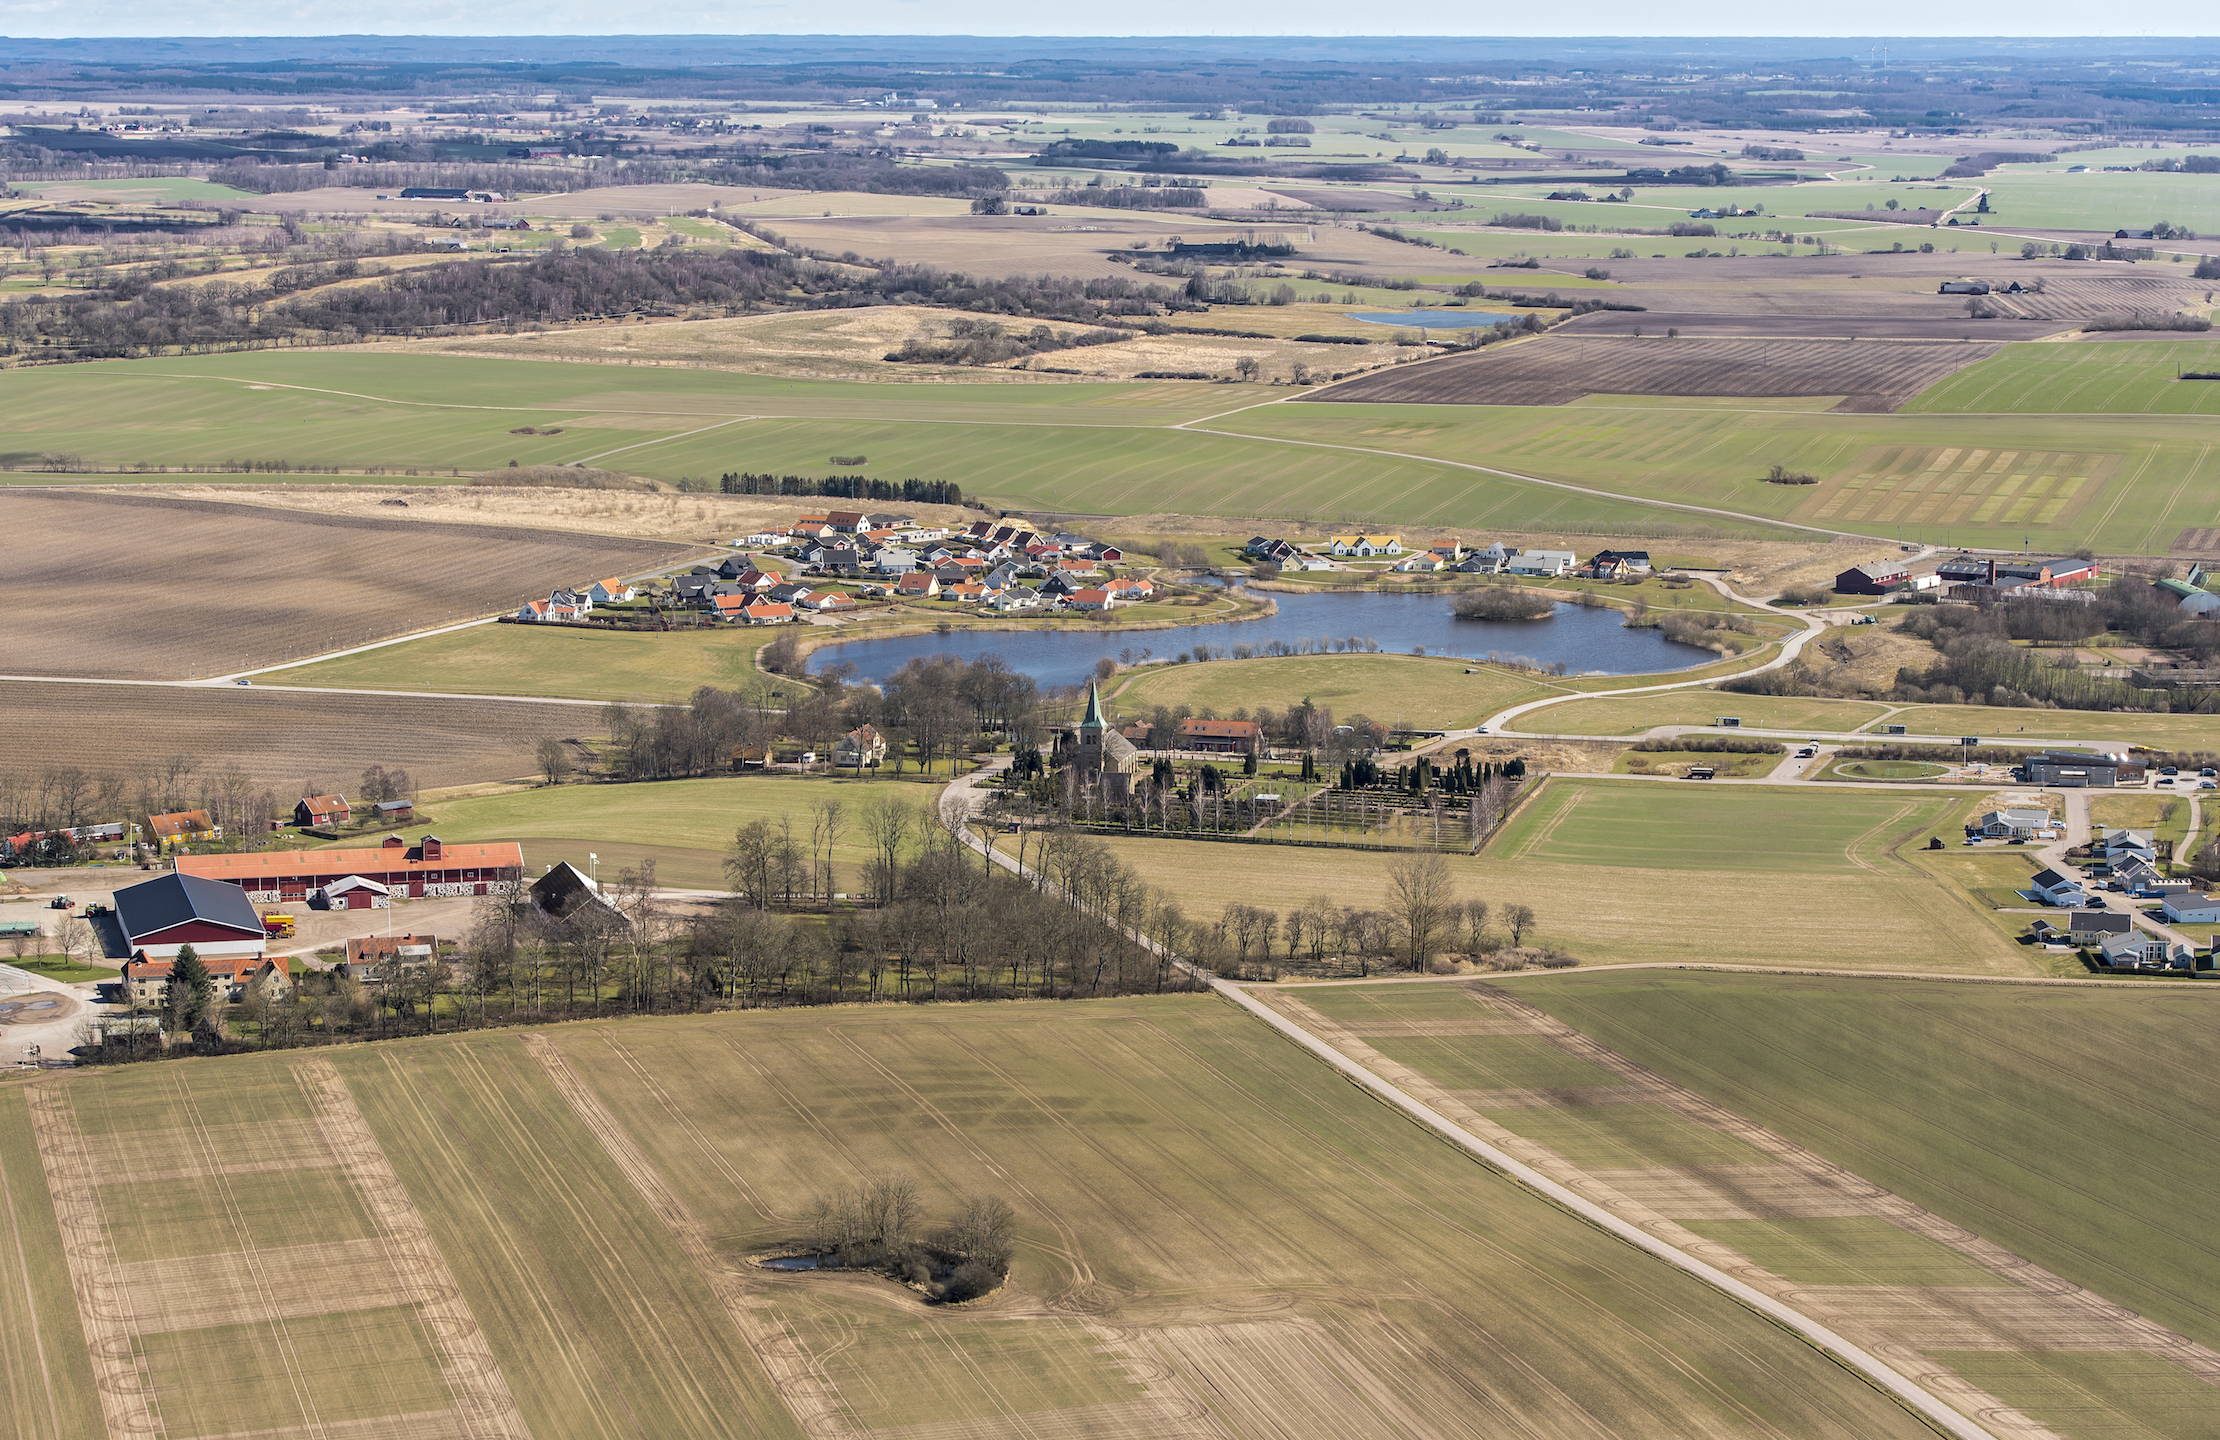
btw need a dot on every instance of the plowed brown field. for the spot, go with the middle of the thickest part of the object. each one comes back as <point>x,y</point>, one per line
<point>280,739</point>
<point>132,587</point>
<point>1870,375</point>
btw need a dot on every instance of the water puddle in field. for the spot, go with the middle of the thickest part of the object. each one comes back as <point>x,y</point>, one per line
<point>790,1262</point>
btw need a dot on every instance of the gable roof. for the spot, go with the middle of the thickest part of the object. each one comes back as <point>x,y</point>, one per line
<point>2052,880</point>
<point>379,860</point>
<point>170,900</point>
<point>181,822</point>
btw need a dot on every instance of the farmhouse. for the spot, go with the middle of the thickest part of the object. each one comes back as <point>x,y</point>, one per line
<point>1228,737</point>
<point>863,745</point>
<point>1362,545</point>
<point>2088,927</point>
<point>378,958</point>
<point>1875,577</point>
<point>321,810</point>
<point>1964,287</point>
<point>429,868</point>
<point>2053,888</point>
<point>146,981</point>
<point>182,827</point>
<point>2192,908</point>
<point>159,915</point>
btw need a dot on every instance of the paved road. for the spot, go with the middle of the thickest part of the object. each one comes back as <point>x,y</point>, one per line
<point>964,798</point>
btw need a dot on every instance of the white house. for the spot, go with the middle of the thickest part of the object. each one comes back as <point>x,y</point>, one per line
<point>2192,908</point>
<point>2053,888</point>
<point>1541,562</point>
<point>1425,564</point>
<point>2023,822</point>
<point>2139,950</point>
<point>1362,545</point>
<point>610,592</point>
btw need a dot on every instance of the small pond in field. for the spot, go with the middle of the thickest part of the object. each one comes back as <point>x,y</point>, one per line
<point>1583,640</point>
<point>1436,319</point>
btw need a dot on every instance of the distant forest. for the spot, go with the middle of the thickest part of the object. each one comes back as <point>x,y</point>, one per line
<point>555,288</point>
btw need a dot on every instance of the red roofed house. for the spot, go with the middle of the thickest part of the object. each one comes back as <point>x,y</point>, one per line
<point>183,828</point>
<point>1130,589</point>
<point>970,592</point>
<point>1231,737</point>
<point>847,522</point>
<point>767,612</point>
<point>430,868</point>
<point>917,585</point>
<point>610,592</point>
<point>147,982</point>
<point>826,602</point>
<point>730,607</point>
<point>1096,599</point>
<point>322,810</point>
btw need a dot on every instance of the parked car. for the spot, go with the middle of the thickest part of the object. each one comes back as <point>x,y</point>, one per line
<point>2168,770</point>
<point>2163,782</point>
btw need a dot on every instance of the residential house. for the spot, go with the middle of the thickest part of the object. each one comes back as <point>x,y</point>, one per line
<point>2088,927</point>
<point>1077,565</point>
<point>1365,545</point>
<point>729,607</point>
<point>693,589</point>
<point>182,827</point>
<point>1617,564</point>
<point>322,810</point>
<point>811,527</point>
<point>1541,562</point>
<point>2139,877</point>
<point>2053,888</point>
<point>1874,577</point>
<point>1281,552</point>
<point>1093,599</point>
<point>576,601</point>
<point>1450,551</point>
<point>888,522</point>
<point>1229,737</point>
<point>917,585</point>
<point>894,560</point>
<point>755,581</point>
<point>2192,907</point>
<point>2122,845</point>
<point>1427,563</point>
<point>2141,950</point>
<point>2016,822</point>
<point>847,522</point>
<point>217,920</point>
<point>1017,597</point>
<point>610,592</point>
<point>827,602</point>
<point>786,594</point>
<point>1130,590</point>
<point>764,538</point>
<point>1056,586</point>
<point>767,612</point>
<point>861,746</point>
<point>964,592</point>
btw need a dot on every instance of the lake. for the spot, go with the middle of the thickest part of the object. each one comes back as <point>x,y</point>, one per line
<point>1584,640</point>
<point>1437,319</point>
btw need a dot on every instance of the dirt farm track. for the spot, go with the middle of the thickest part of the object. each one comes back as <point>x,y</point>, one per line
<point>281,740</point>
<point>135,587</point>
<point>1871,375</point>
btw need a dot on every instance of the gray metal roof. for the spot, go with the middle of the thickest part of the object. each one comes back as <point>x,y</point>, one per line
<point>169,900</point>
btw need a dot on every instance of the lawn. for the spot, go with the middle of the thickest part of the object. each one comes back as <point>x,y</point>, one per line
<point>1662,762</point>
<point>1635,714</point>
<point>2010,726</point>
<point>685,826</point>
<point>62,968</point>
<point>2003,1109</point>
<point>532,660</point>
<point>1430,694</point>
<point>1881,770</point>
<point>1643,871</point>
<point>2127,377</point>
<point>2167,815</point>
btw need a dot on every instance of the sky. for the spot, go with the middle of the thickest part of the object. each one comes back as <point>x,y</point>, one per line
<point>63,18</point>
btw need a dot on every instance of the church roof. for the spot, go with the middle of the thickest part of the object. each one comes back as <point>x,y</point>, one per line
<point>1093,719</point>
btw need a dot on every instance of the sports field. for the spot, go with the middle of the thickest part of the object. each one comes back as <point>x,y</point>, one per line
<point>1645,870</point>
<point>2116,377</point>
<point>1217,1236</point>
<point>1998,1107</point>
<point>1428,693</point>
<point>531,660</point>
<point>1942,1286</point>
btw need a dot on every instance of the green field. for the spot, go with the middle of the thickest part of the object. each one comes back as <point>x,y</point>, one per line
<point>1999,1108</point>
<point>2124,377</point>
<point>532,660</point>
<point>1634,714</point>
<point>1638,870</point>
<point>1202,1211</point>
<point>685,826</point>
<point>1392,689</point>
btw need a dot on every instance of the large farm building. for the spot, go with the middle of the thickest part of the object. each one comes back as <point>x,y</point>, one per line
<point>429,868</point>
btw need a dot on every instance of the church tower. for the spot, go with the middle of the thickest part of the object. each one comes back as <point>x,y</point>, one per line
<point>1091,727</point>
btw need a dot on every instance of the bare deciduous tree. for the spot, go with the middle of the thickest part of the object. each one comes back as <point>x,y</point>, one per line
<point>1518,919</point>
<point>1419,889</point>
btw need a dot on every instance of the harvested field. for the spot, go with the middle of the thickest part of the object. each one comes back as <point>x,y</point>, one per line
<point>1870,375</point>
<point>279,739</point>
<point>1701,325</point>
<point>242,586</point>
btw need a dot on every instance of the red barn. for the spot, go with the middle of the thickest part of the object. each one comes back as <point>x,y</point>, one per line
<point>218,921</point>
<point>430,867</point>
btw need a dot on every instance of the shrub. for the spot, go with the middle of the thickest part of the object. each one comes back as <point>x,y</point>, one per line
<point>1502,602</point>
<point>1782,475</point>
<point>1804,595</point>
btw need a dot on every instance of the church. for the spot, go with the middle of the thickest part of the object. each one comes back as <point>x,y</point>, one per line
<point>1099,755</point>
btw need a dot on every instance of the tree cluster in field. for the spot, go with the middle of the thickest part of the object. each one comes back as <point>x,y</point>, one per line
<point>843,487</point>
<point>2143,320</point>
<point>1419,919</point>
<point>880,1225</point>
<point>986,342</point>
